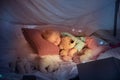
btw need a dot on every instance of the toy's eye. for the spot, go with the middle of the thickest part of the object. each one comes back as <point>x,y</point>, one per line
<point>72,41</point>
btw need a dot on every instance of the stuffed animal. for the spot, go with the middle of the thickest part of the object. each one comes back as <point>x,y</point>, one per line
<point>67,49</point>
<point>70,45</point>
<point>47,63</point>
<point>21,65</point>
<point>79,41</point>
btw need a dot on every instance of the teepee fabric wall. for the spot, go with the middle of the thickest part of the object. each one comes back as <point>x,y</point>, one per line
<point>76,13</point>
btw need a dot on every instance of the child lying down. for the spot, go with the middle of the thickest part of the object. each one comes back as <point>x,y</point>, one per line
<point>70,45</point>
<point>78,50</point>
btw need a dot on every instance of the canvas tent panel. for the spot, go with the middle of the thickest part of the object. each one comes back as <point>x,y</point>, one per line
<point>78,13</point>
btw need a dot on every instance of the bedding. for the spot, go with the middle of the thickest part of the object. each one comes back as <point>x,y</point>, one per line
<point>66,70</point>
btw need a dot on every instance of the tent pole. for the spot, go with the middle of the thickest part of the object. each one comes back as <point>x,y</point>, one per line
<point>117,2</point>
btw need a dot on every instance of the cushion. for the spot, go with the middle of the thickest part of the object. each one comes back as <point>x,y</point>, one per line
<point>39,45</point>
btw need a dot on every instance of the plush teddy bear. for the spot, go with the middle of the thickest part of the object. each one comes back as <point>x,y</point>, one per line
<point>67,49</point>
<point>70,45</point>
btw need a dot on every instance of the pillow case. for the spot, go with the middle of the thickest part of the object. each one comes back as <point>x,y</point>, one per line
<point>39,45</point>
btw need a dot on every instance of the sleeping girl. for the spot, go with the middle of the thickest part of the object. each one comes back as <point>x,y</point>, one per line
<point>91,51</point>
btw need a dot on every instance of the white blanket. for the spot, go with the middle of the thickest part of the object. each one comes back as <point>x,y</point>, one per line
<point>66,71</point>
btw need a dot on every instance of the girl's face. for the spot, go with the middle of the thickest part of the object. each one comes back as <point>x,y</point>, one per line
<point>55,38</point>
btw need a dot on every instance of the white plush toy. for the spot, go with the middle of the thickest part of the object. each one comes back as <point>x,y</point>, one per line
<point>48,63</point>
